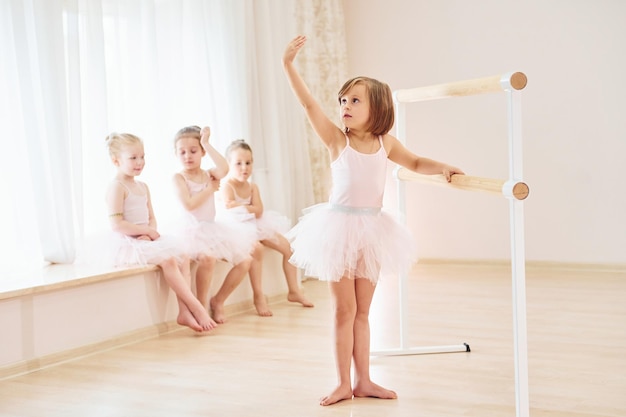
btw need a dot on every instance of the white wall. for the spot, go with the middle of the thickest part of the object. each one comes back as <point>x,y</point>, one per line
<point>573,124</point>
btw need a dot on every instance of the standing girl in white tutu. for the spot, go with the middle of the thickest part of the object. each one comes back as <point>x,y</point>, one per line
<point>243,204</point>
<point>136,240</point>
<point>349,241</point>
<point>208,241</point>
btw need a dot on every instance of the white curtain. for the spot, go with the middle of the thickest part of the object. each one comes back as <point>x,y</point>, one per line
<point>37,213</point>
<point>74,70</point>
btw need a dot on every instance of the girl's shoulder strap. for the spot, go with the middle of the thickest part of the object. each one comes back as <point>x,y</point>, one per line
<point>227,182</point>
<point>143,185</point>
<point>123,185</point>
<point>232,188</point>
<point>382,145</point>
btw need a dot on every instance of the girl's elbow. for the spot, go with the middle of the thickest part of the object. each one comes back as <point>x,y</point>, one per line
<point>220,173</point>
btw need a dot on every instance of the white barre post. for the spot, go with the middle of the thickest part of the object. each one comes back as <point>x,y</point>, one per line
<point>509,83</point>
<point>518,263</point>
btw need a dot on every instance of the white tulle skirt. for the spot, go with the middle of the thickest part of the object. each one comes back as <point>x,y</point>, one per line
<point>108,248</point>
<point>233,243</point>
<point>265,227</point>
<point>330,242</point>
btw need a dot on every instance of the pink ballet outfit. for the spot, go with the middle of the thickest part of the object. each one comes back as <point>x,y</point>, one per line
<point>127,250</point>
<point>350,235</point>
<point>204,236</point>
<point>266,227</point>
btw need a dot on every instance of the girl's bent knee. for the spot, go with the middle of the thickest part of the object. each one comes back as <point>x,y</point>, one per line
<point>207,261</point>
<point>168,263</point>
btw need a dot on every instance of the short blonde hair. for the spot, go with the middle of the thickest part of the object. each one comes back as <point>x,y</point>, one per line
<point>116,141</point>
<point>381,103</point>
<point>237,144</point>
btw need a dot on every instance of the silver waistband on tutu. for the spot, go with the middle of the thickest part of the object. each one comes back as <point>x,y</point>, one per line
<point>355,210</point>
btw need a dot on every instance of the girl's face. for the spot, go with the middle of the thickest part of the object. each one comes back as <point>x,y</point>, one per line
<point>131,160</point>
<point>240,164</point>
<point>354,108</point>
<point>189,152</point>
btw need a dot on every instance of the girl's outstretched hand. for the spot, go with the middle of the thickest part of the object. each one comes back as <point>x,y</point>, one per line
<point>293,48</point>
<point>205,133</point>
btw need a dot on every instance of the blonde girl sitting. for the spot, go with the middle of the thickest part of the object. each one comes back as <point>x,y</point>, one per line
<point>136,240</point>
<point>243,203</point>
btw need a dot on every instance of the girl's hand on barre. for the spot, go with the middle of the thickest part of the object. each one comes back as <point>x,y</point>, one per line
<point>448,171</point>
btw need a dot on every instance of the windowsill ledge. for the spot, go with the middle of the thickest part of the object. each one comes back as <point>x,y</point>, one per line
<point>61,276</point>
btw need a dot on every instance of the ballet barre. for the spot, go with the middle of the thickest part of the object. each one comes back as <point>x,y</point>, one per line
<point>515,80</point>
<point>514,189</point>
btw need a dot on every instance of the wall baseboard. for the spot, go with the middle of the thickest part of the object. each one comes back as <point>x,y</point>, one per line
<point>128,338</point>
<point>552,265</point>
<point>129,306</point>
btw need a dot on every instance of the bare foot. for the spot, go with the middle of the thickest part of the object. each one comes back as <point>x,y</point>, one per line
<point>204,320</point>
<point>218,311</point>
<point>369,389</point>
<point>198,320</point>
<point>298,297</point>
<point>339,394</point>
<point>185,318</point>
<point>262,309</point>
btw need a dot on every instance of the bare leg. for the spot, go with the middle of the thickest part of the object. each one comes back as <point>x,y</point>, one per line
<point>291,272</point>
<point>232,280</point>
<point>191,312</point>
<point>204,276</point>
<point>344,300</point>
<point>363,386</point>
<point>185,317</point>
<point>256,282</point>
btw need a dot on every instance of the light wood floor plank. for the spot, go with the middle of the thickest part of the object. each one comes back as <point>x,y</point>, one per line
<point>280,366</point>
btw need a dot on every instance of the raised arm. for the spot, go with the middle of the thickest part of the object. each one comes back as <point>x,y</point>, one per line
<point>221,165</point>
<point>330,134</point>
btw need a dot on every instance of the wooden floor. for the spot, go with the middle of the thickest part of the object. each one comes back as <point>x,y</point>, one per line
<point>280,366</point>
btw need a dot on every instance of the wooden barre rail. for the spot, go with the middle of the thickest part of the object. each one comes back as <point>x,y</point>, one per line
<point>516,80</point>
<point>518,190</point>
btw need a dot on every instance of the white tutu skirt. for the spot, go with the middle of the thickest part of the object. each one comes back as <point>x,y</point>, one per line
<point>231,242</point>
<point>331,242</point>
<point>109,248</point>
<point>266,227</point>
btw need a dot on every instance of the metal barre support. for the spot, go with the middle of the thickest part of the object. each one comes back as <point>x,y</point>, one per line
<point>511,84</point>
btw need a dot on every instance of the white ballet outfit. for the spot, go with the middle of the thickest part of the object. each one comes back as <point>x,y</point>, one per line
<point>127,250</point>
<point>350,235</point>
<point>204,236</point>
<point>267,227</point>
